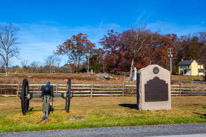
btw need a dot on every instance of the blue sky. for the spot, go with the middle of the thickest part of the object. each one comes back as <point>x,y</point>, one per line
<point>44,24</point>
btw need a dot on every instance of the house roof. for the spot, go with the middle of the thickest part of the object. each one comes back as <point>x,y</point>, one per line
<point>185,62</point>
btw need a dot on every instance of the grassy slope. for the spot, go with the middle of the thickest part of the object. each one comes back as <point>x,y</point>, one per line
<point>80,78</point>
<point>61,78</point>
<point>186,78</point>
<point>98,112</point>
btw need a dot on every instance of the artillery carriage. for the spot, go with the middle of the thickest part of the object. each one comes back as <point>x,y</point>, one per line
<point>46,96</point>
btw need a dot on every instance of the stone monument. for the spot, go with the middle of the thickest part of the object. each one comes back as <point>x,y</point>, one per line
<point>135,74</point>
<point>91,71</point>
<point>153,88</point>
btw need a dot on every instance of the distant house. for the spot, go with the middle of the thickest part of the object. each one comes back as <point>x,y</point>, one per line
<point>191,68</point>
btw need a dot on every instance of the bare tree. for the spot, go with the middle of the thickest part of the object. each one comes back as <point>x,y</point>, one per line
<point>58,61</point>
<point>51,62</point>
<point>34,67</point>
<point>8,43</point>
<point>24,63</point>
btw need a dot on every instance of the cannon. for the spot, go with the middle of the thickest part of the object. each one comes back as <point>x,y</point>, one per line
<point>46,96</point>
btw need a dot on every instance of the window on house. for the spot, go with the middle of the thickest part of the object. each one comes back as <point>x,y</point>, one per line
<point>200,70</point>
<point>181,72</point>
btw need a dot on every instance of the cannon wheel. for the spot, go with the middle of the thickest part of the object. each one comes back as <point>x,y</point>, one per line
<point>24,100</point>
<point>68,98</point>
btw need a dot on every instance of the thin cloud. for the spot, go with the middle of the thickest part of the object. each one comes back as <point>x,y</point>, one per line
<point>165,27</point>
<point>38,41</point>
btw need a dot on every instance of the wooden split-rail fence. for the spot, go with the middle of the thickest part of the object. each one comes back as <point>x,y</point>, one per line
<point>94,90</point>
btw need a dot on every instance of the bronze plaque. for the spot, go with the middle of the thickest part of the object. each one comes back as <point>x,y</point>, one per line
<point>156,90</point>
<point>156,70</point>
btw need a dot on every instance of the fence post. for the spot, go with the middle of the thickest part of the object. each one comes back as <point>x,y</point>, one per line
<point>180,89</point>
<point>18,88</point>
<point>56,87</point>
<point>6,90</point>
<point>122,89</point>
<point>91,89</point>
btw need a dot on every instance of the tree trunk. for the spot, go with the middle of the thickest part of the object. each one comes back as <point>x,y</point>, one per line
<point>79,63</point>
<point>87,64</point>
<point>103,64</point>
<point>6,69</point>
<point>131,68</point>
<point>7,64</point>
<point>75,64</point>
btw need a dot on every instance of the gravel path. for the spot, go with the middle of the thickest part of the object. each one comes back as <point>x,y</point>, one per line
<point>137,131</point>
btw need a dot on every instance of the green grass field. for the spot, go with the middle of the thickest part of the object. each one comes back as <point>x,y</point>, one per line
<point>98,112</point>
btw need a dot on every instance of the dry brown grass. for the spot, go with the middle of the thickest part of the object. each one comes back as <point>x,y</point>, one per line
<point>80,78</point>
<point>187,78</point>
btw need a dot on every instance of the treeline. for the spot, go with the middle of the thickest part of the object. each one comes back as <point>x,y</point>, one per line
<point>51,65</point>
<point>136,47</point>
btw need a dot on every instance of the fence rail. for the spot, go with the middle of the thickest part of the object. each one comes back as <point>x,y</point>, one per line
<point>188,90</point>
<point>102,89</point>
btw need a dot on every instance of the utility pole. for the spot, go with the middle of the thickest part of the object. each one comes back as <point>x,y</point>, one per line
<point>170,55</point>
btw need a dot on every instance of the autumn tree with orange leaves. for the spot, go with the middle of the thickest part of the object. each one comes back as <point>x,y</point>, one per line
<point>111,45</point>
<point>89,51</point>
<point>133,41</point>
<point>77,47</point>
